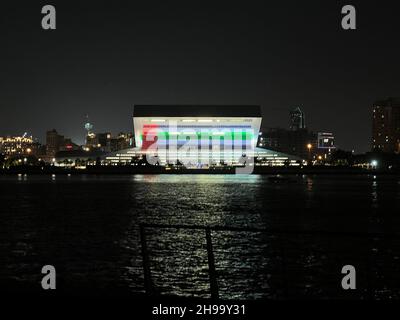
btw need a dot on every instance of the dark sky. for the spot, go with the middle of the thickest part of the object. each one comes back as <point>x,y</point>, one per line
<point>104,58</point>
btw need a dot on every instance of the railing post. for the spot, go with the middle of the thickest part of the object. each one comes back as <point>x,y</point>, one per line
<point>146,263</point>
<point>211,266</point>
<point>284,271</point>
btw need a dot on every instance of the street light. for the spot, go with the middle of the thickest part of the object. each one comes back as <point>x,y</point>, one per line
<point>309,147</point>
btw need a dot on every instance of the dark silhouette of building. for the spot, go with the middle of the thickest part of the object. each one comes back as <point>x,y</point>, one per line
<point>386,126</point>
<point>56,142</point>
<point>301,143</point>
<point>297,140</point>
<point>297,120</point>
<point>53,142</point>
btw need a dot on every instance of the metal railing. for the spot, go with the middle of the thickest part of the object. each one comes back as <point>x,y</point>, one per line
<point>214,290</point>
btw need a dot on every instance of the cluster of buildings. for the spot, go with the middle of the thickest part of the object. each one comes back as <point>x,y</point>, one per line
<point>58,148</point>
<point>208,136</point>
<point>19,145</point>
<point>195,136</point>
<point>203,136</point>
<point>298,140</point>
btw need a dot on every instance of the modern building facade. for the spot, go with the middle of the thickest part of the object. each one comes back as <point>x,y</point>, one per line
<point>198,136</point>
<point>386,126</point>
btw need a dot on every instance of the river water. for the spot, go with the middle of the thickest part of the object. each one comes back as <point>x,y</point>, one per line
<point>87,226</point>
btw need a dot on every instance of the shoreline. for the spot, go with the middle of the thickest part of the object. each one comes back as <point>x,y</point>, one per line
<point>162,170</point>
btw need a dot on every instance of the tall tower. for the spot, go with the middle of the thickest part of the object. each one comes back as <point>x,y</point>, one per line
<point>88,125</point>
<point>297,120</point>
<point>89,134</point>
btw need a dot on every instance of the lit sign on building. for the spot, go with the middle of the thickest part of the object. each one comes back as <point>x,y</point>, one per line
<point>326,140</point>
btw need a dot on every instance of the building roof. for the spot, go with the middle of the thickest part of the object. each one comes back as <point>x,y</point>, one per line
<point>244,111</point>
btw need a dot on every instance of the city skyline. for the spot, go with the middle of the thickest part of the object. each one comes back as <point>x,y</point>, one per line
<point>199,158</point>
<point>101,60</point>
<point>296,121</point>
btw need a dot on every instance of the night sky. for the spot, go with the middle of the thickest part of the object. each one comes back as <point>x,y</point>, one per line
<point>104,58</point>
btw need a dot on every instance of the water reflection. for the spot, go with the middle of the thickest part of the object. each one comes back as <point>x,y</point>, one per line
<point>88,226</point>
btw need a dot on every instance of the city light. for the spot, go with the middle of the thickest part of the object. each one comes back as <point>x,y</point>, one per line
<point>374,163</point>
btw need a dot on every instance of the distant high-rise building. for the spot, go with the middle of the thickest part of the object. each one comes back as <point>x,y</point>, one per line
<point>386,126</point>
<point>297,120</point>
<point>54,141</point>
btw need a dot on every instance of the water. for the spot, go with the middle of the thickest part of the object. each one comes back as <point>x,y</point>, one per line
<point>88,228</point>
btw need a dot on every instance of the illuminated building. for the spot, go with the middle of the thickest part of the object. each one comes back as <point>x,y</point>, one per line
<point>18,145</point>
<point>386,126</point>
<point>326,141</point>
<point>121,141</point>
<point>107,142</point>
<point>77,158</point>
<point>326,144</point>
<point>198,136</point>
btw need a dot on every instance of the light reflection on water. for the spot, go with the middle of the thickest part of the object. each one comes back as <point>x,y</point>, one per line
<point>88,227</point>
